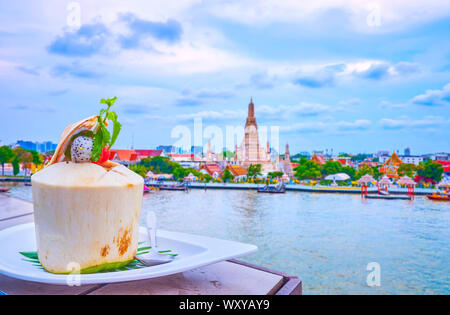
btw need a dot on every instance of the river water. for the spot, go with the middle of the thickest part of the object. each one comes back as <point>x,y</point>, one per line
<point>327,240</point>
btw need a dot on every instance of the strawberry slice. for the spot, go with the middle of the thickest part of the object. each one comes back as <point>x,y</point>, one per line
<point>104,156</point>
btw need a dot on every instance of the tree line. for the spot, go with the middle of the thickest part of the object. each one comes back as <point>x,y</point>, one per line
<point>19,156</point>
<point>427,171</point>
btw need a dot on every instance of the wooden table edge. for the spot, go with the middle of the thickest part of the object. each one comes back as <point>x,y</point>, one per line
<point>291,285</point>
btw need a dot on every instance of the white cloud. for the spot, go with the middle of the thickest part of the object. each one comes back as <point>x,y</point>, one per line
<point>426,123</point>
<point>394,14</point>
<point>360,124</point>
<point>318,75</point>
<point>207,115</point>
<point>328,126</point>
<point>379,69</point>
<point>302,109</point>
<point>434,97</point>
<point>184,58</point>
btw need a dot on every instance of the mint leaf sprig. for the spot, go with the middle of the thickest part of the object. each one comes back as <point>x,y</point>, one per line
<point>102,136</point>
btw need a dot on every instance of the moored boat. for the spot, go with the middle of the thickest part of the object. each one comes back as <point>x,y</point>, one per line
<point>278,189</point>
<point>439,196</point>
<point>173,187</point>
<point>388,197</point>
<point>146,189</point>
<point>166,185</point>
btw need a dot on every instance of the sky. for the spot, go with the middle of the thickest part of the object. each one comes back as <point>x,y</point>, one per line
<point>352,76</point>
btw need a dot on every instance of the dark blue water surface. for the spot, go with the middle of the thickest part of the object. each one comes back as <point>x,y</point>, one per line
<point>326,240</point>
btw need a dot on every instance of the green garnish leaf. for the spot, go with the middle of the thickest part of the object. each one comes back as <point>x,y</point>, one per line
<point>97,146</point>
<point>108,101</point>
<point>104,131</point>
<point>32,255</point>
<point>104,268</point>
<point>117,126</point>
<point>144,248</point>
<point>102,136</point>
<point>67,153</point>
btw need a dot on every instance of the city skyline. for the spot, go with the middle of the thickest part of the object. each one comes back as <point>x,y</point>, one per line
<point>47,146</point>
<point>351,77</point>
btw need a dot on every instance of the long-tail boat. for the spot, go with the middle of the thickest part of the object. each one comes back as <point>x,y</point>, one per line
<point>439,196</point>
<point>278,189</point>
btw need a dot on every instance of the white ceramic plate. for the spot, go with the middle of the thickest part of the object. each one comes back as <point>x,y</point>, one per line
<point>193,251</point>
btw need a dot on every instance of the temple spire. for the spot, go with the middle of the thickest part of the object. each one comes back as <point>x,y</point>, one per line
<point>251,108</point>
<point>251,120</point>
<point>287,167</point>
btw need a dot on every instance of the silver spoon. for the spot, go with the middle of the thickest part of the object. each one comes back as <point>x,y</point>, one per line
<point>153,257</point>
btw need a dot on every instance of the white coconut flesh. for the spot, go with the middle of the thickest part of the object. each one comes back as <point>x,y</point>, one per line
<point>86,215</point>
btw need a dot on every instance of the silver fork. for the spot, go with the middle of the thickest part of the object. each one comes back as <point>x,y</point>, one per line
<point>153,257</point>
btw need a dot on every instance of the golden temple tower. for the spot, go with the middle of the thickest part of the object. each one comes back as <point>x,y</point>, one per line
<point>250,152</point>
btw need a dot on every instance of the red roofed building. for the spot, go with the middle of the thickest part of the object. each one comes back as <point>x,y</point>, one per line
<point>445,164</point>
<point>123,156</point>
<point>318,159</point>
<point>148,153</point>
<point>213,170</point>
<point>238,172</point>
<point>345,161</point>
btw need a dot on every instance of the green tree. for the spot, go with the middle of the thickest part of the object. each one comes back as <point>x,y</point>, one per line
<point>25,157</point>
<point>37,157</point>
<point>227,175</point>
<point>307,169</point>
<point>359,157</point>
<point>275,174</point>
<point>350,171</point>
<point>159,164</point>
<point>179,172</point>
<point>376,172</point>
<point>331,167</point>
<point>227,154</point>
<point>16,166</point>
<point>205,177</point>
<point>139,169</point>
<point>407,169</point>
<point>6,156</point>
<point>363,170</point>
<point>193,171</point>
<point>298,156</point>
<point>430,169</point>
<point>254,170</point>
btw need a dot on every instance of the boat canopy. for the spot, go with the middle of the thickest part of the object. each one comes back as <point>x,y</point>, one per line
<point>407,181</point>
<point>338,176</point>
<point>385,181</point>
<point>366,179</point>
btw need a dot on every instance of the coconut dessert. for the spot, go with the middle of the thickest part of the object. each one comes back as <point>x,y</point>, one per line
<point>87,208</point>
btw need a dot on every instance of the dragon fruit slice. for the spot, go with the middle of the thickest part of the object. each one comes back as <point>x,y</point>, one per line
<point>81,149</point>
